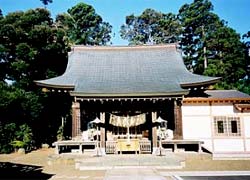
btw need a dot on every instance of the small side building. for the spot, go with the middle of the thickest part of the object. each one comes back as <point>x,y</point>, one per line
<point>220,118</point>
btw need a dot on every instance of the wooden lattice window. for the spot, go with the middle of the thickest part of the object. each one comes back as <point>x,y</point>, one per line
<point>227,126</point>
<point>234,126</point>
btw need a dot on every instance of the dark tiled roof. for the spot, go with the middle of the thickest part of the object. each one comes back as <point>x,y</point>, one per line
<point>226,94</point>
<point>127,71</point>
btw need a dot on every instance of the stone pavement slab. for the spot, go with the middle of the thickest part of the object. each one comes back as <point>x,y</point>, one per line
<point>204,173</point>
<point>133,173</point>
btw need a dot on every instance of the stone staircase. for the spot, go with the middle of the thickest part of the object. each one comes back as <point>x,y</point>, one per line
<point>169,161</point>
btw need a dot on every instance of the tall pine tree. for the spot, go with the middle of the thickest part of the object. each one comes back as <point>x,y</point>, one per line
<point>84,26</point>
<point>210,47</point>
<point>151,27</point>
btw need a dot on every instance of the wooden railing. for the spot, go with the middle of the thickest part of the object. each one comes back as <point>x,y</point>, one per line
<point>111,147</point>
<point>145,146</point>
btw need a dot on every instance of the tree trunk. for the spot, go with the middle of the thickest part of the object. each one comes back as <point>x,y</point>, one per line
<point>205,57</point>
<point>204,47</point>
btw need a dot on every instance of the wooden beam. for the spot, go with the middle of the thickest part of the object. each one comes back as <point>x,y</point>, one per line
<point>76,119</point>
<point>178,132</point>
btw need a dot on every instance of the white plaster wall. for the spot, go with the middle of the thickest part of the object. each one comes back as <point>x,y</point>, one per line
<point>220,110</point>
<point>197,124</point>
<point>247,144</point>
<point>228,145</point>
<point>197,109</point>
<point>246,120</point>
<point>196,127</point>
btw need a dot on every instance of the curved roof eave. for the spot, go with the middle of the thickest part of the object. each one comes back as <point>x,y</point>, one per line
<point>117,95</point>
<point>48,84</point>
<point>201,83</point>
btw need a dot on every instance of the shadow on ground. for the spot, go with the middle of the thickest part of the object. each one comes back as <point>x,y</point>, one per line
<point>21,171</point>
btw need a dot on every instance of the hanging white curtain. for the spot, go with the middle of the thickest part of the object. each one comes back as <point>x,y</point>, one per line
<point>127,121</point>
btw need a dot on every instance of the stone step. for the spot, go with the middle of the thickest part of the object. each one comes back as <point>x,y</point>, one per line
<point>125,161</point>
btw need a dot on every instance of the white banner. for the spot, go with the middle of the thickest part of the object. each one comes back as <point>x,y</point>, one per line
<point>127,121</point>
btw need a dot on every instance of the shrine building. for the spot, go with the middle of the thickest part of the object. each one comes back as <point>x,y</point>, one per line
<point>145,93</point>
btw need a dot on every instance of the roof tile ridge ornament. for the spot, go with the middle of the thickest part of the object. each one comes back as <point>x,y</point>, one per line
<point>124,47</point>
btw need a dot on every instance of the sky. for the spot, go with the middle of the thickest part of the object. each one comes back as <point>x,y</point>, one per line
<point>235,12</point>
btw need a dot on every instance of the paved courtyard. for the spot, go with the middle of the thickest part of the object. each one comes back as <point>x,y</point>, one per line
<point>43,164</point>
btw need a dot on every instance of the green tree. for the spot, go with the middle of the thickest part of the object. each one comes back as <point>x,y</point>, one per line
<point>31,48</point>
<point>84,26</point>
<point>151,27</point>
<point>226,52</point>
<point>1,14</point>
<point>17,105</point>
<point>246,37</point>
<point>210,47</point>
<point>7,132</point>
<point>198,23</point>
<point>244,84</point>
<point>15,137</point>
<point>23,137</point>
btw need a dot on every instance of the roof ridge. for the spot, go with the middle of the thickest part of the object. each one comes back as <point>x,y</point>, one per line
<point>135,47</point>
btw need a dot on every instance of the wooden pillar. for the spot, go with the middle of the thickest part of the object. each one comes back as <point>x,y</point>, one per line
<point>154,131</point>
<point>178,120</point>
<point>102,129</point>
<point>76,119</point>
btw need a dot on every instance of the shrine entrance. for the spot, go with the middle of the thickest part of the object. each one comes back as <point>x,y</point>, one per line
<point>127,126</point>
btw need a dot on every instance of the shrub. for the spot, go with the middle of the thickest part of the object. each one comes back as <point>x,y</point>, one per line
<point>14,138</point>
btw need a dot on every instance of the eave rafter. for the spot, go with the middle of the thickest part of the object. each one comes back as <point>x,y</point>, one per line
<point>242,107</point>
<point>109,99</point>
<point>215,100</point>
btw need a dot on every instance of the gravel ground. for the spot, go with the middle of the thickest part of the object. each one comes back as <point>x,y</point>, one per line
<point>204,162</point>
<point>34,165</point>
